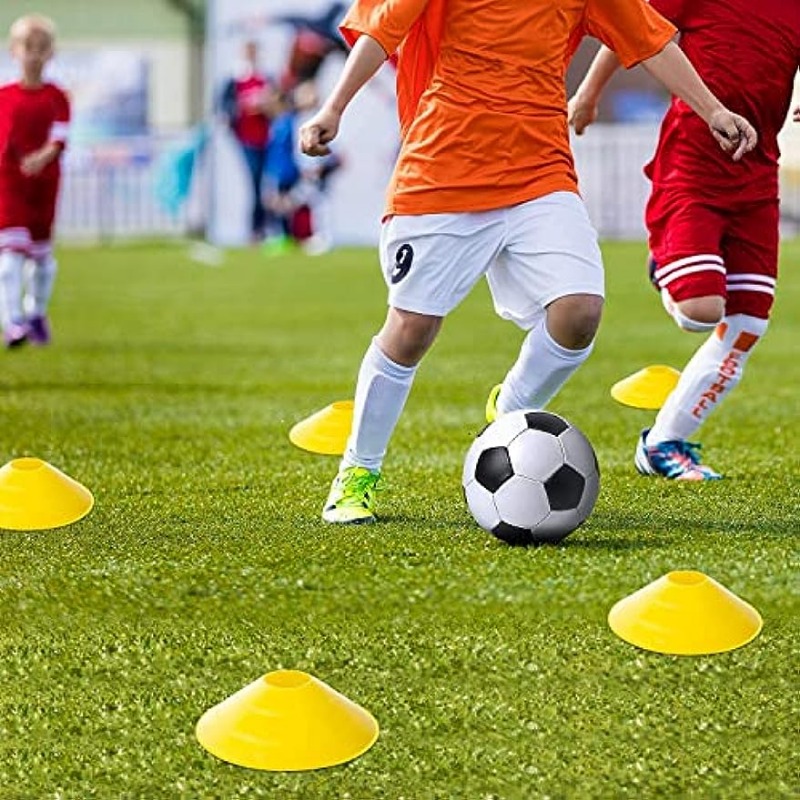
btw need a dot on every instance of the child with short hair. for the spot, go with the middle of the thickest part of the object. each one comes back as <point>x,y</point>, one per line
<point>34,123</point>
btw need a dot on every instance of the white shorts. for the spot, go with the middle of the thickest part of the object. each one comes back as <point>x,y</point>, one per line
<point>532,254</point>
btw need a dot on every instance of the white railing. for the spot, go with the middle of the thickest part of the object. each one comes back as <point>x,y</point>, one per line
<point>111,191</point>
<point>114,189</point>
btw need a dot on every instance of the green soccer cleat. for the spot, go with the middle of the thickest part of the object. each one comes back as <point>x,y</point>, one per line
<point>491,403</point>
<point>351,500</point>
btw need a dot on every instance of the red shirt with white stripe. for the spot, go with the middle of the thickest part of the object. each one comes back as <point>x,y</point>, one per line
<point>29,119</point>
<point>748,52</point>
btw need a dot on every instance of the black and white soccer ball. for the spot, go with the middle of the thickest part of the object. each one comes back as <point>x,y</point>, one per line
<point>530,477</point>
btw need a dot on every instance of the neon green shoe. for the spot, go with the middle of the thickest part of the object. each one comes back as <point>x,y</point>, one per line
<point>352,497</point>
<point>491,403</point>
<point>279,246</point>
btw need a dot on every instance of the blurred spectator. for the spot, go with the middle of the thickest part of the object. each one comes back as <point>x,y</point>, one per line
<point>245,105</point>
<point>295,184</point>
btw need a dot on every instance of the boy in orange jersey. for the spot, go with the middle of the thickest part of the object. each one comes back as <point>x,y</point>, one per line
<point>713,226</point>
<point>484,185</point>
<point>34,122</point>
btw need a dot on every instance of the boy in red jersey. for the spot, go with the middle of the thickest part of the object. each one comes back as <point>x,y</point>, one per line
<point>713,224</point>
<point>485,185</point>
<point>34,122</point>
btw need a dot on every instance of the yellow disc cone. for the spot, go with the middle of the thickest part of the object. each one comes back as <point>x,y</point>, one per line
<point>326,431</point>
<point>35,496</point>
<point>287,721</point>
<point>685,613</point>
<point>648,388</point>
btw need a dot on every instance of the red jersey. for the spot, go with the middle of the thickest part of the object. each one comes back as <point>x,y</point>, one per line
<point>748,52</point>
<point>29,119</point>
<point>250,123</point>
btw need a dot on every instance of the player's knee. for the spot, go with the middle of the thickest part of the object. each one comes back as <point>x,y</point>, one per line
<point>709,309</point>
<point>573,320</point>
<point>699,314</point>
<point>407,336</point>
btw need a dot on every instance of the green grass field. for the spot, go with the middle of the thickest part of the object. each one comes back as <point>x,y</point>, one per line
<point>169,392</point>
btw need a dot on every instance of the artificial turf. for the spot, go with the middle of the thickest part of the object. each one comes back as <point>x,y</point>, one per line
<point>169,391</point>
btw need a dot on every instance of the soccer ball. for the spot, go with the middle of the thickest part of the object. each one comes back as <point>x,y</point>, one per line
<point>530,477</point>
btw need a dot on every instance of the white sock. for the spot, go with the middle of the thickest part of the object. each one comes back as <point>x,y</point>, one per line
<point>381,393</point>
<point>708,378</point>
<point>12,267</point>
<point>40,285</point>
<point>542,368</point>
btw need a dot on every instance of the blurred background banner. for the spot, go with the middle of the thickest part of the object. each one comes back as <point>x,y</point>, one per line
<point>290,31</point>
<point>108,87</point>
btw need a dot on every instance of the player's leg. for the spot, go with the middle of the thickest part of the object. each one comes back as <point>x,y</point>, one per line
<point>38,291</point>
<point>14,245</point>
<point>430,263</point>
<point>717,366</point>
<point>686,265</point>
<point>43,267</point>
<point>254,158</point>
<point>549,281</point>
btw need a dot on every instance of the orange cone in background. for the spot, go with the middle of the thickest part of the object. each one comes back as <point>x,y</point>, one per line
<point>326,431</point>
<point>685,613</point>
<point>648,388</point>
<point>36,496</point>
<point>287,721</point>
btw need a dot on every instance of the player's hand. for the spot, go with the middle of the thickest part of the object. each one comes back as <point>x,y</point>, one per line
<point>319,131</point>
<point>734,134</point>
<point>581,113</point>
<point>33,163</point>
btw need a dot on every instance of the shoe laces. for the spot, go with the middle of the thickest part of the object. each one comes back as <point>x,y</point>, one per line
<point>357,483</point>
<point>690,450</point>
<point>679,452</point>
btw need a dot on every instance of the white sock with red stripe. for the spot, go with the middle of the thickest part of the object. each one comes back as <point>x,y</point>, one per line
<point>542,368</point>
<point>708,378</point>
<point>12,267</point>
<point>381,392</point>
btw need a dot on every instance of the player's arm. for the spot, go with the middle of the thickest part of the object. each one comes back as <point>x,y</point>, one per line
<point>362,63</point>
<point>583,104</point>
<point>33,163</point>
<point>375,29</point>
<point>582,109</point>
<point>673,69</point>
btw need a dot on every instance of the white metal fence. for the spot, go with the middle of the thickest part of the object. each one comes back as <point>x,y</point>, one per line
<point>111,191</point>
<point>115,189</point>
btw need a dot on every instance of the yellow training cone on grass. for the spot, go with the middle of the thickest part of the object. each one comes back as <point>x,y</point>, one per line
<point>648,388</point>
<point>35,495</point>
<point>287,721</point>
<point>685,613</point>
<point>326,431</point>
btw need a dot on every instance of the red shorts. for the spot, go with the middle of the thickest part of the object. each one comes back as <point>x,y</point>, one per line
<point>705,247</point>
<point>27,211</point>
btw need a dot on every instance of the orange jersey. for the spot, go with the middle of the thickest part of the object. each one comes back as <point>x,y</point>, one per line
<point>481,91</point>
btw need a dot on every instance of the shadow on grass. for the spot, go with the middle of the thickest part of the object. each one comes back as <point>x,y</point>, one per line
<point>585,538</point>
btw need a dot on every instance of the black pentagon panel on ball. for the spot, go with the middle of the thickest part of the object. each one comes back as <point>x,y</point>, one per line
<point>513,535</point>
<point>547,422</point>
<point>564,488</point>
<point>493,468</point>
